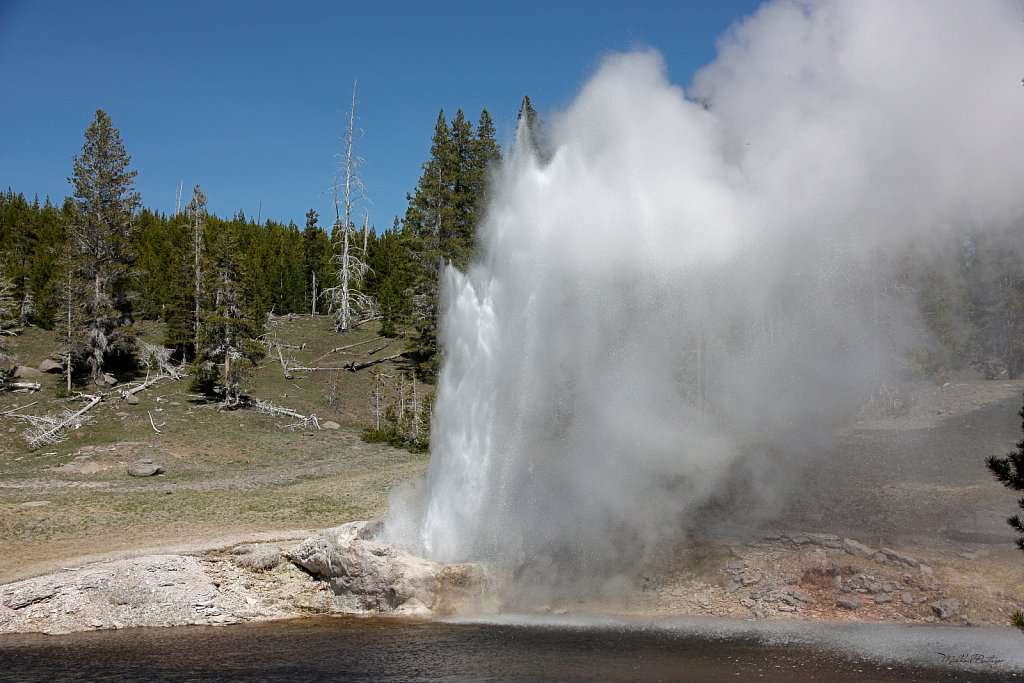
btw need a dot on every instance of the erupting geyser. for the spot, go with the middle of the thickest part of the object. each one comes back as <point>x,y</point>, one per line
<point>684,300</point>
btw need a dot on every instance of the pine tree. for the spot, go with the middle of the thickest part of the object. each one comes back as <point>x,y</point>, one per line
<point>1009,471</point>
<point>317,252</point>
<point>44,277</point>
<point>534,129</point>
<point>228,350</point>
<point>101,237</point>
<point>431,210</point>
<point>390,278</point>
<point>486,156</point>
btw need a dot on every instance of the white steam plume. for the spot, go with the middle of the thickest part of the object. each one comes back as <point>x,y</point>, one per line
<point>689,295</point>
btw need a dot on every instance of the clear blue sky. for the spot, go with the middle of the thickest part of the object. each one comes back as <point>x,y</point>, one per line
<point>249,98</point>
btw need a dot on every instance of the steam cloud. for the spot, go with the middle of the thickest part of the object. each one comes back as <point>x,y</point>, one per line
<point>689,296</point>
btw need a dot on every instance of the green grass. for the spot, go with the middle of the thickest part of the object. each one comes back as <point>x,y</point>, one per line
<point>226,472</point>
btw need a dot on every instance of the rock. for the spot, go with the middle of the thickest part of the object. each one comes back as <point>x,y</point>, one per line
<point>908,599</point>
<point>893,557</point>
<point>24,372</point>
<point>329,424</point>
<point>749,578</point>
<point>108,380</point>
<point>51,366</point>
<point>825,541</point>
<point>946,609</point>
<point>854,548</point>
<point>848,603</point>
<point>132,400</point>
<point>883,598</point>
<point>144,468</point>
<point>27,593</point>
<point>367,575</point>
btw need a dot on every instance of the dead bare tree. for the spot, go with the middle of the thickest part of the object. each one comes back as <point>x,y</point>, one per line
<point>269,408</point>
<point>197,219</point>
<point>19,386</point>
<point>8,317</point>
<point>48,429</point>
<point>345,298</point>
<point>354,366</point>
<point>377,397</point>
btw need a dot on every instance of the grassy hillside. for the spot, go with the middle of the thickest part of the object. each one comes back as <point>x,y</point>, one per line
<point>226,472</point>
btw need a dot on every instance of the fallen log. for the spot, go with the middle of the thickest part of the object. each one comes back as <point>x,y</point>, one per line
<point>355,367</point>
<point>145,385</point>
<point>366,320</point>
<point>49,435</point>
<point>377,350</point>
<point>15,386</point>
<point>269,408</point>
<point>271,344</point>
<point>339,349</point>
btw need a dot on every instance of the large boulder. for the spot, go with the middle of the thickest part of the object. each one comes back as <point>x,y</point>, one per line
<point>24,372</point>
<point>51,366</point>
<point>368,575</point>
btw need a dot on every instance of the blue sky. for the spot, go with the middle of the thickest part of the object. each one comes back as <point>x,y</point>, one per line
<point>249,98</point>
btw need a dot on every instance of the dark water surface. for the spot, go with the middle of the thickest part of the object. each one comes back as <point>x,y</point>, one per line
<point>529,649</point>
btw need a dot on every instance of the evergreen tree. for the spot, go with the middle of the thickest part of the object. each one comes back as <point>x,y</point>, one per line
<point>431,209</point>
<point>486,156</point>
<point>442,218</point>
<point>228,350</point>
<point>101,237</point>
<point>1009,471</point>
<point>534,129</point>
<point>458,235</point>
<point>390,279</point>
<point>44,277</point>
<point>317,251</point>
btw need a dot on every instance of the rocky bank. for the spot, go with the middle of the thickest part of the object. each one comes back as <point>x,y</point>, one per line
<point>779,575</point>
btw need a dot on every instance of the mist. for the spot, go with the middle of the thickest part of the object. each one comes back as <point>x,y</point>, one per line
<point>680,307</point>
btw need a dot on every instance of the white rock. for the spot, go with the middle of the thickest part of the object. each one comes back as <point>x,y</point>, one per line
<point>368,575</point>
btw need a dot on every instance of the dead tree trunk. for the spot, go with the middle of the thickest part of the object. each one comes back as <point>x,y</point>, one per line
<point>355,367</point>
<point>15,386</point>
<point>48,435</point>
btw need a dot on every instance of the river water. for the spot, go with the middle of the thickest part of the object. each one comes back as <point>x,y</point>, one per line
<point>519,649</point>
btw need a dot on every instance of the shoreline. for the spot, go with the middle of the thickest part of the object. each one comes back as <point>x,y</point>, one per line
<point>778,577</point>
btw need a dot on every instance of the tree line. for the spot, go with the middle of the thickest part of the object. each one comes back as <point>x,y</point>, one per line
<point>92,267</point>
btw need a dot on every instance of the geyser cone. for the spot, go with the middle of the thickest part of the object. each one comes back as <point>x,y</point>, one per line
<point>690,296</point>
